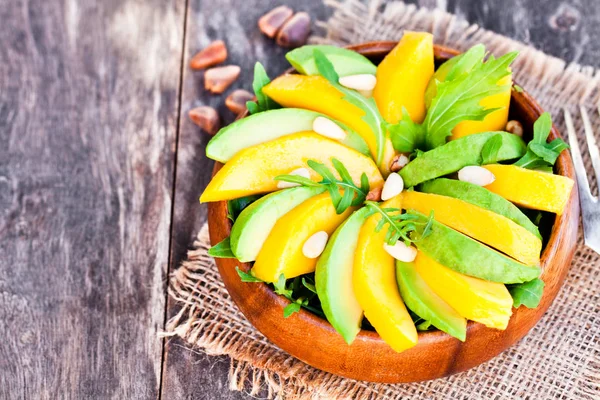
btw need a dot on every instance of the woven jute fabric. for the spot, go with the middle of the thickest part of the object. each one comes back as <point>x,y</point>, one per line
<point>559,358</point>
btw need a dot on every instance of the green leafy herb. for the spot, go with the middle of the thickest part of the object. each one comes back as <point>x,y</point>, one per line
<point>528,294</point>
<point>466,62</point>
<point>399,224</point>
<point>263,102</point>
<point>352,194</point>
<point>371,113</point>
<point>406,135</point>
<point>236,206</point>
<point>518,88</point>
<point>221,249</point>
<point>541,154</point>
<point>290,309</point>
<point>246,277</point>
<point>459,99</point>
<point>489,152</point>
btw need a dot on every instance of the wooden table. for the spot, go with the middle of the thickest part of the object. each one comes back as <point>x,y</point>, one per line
<point>100,171</point>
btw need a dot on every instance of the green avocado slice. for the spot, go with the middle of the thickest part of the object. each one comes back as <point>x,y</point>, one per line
<point>457,154</point>
<point>345,62</point>
<point>424,302</point>
<point>255,222</point>
<point>269,125</point>
<point>333,277</point>
<point>459,252</point>
<point>481,197</point>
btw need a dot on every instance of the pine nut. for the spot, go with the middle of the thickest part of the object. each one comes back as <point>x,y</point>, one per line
<point>374,194</point>
<point>514,127</point>
<point>271,22</point>
<point>218,79</point>
<point>300,172</point>
<point>401,252</point>
<point>328,128</point>
<point>476,175</point>
<point>398,162</point>
<point>236,101</point>
<point>206,118</point>
<point>314,245</point>
<point>214,53</point>
<point>393,186</point>
<point>295,31</point>
<point>359,82</point>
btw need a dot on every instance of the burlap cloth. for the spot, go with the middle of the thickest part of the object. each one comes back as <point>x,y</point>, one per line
<point>559,358</point>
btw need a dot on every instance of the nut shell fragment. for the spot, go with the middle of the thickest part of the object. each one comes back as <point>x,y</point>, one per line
<point>218,79</point>
<point>206,118</point>
<point>236,101</point>
<point>213,54</point>
<point>271,22</point>
<point>295,31</point>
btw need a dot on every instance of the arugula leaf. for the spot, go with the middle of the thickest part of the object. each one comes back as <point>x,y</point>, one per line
<point>541,154</point>
<point>466,62</point>
<point>246,277</point>
<point>352,194</point>
<point>528,294</point>
<point>459,99</point>
<point>263,102</point>
<point>399,225</point>
<point>221,249</point>
<point>489,152</point>
<point>309,286</point>
<point>518,88</point>
<point>406,135</point>
<point>372,116</point>
<point>290,309</point>
<point>236,206</point>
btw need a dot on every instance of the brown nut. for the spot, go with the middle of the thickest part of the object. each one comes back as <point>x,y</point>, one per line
<point>374,194</point>
<point>295,31</point>
<point>218,79</point>
<point>236,101</point>
<point>206,118</point>
<point>398,162</point>
<point>271,22</point>
<point>214,53</point>
<point>514,127</point>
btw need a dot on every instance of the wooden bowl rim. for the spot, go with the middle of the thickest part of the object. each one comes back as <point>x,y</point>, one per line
<point>564,167</point>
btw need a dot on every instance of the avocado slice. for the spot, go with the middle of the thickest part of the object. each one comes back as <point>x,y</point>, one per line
<point>253,225</point>
<point>462,254</point>
<point>269,125</point>
<point>423,301</point>
<point>345,62</point>
<point>333,277</point>
<point>457,154</point>
<point>481,197</point>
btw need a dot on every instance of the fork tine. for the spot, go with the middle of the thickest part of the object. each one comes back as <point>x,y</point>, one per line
<point>591,142</point>
<point>580,173</point>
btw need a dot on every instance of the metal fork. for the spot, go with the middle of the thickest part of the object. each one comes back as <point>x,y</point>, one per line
<point>590,207</point>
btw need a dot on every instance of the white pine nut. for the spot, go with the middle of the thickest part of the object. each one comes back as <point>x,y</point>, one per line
<point>364,82</point>
<point>476,175</point>
<point>300,172</point>
<point>393,186</point>
<point>401,252</point>
<point>328,128</point>
<point>314,245</point>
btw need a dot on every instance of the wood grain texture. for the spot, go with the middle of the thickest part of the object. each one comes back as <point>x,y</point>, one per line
<point>546,25</point>
<point>88,111</point>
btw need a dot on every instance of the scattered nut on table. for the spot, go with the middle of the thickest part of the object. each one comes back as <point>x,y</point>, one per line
<point>236,101</point>
<point>218,79</point>
<point>295,31</point>
<point>213,54</point>
<point>271,22</point>
<point>206,118</point>
<point>514,127</point>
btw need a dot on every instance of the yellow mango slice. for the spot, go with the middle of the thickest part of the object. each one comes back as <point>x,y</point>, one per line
<point>483,225</point>
<point>374,281</point>
<point>531,189</point>
<point>402,77</point>
<point>486,302</point>
<point>252,170</point>
<point>282,251</point>
<point>317,94</point>
<point>495,121</point>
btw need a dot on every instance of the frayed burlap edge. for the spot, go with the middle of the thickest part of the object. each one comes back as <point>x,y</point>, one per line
<point>560,358</point>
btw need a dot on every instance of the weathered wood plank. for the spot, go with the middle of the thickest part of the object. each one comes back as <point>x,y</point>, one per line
<point>191,375</point>
<point>88,112</point>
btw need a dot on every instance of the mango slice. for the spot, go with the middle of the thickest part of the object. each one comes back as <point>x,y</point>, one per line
<point>376,289</point>
<point>402,77</point>
<point>317,94</point>
<point>282,251</point>
<point>495,121</point>
<point>252,170</point>
<point>486,302</point>
<point>531,189</point>
<point>483,225</point>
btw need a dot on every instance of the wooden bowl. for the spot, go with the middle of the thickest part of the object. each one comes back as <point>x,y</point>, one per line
<point>314,341</point>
